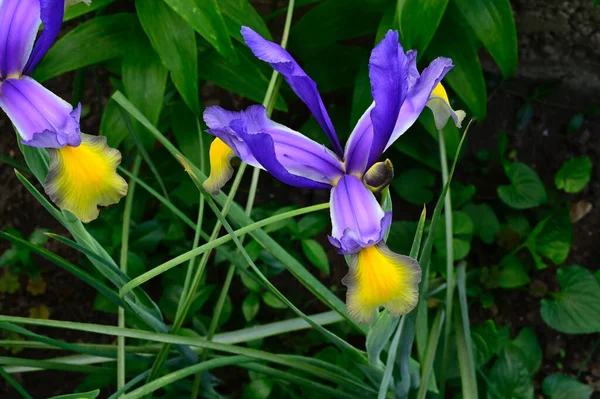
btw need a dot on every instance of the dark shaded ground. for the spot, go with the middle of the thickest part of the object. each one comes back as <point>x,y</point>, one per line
<point>544,144</point>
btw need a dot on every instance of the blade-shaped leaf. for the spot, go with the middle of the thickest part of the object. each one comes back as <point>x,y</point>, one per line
<point>238,13</point>
<point>494,24</point>
<point>245,78</point>
<point>96,40</point>
<point>175,42</point>
<point>206,19</point>
<point>419,20</point>
<point>466,78</point>
<point>145,80</point>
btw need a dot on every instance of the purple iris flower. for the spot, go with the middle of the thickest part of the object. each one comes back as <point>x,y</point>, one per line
<point>377,276</point>
<point>82,172</point>
<point>41,118</point>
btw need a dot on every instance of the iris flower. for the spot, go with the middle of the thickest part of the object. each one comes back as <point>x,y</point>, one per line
<point>377,276</point>
<point>82,172</point>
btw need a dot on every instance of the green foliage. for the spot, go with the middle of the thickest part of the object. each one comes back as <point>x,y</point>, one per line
<point>414,186</point>
<point>163,58</point>
<point>82,395</point>
<point>526,189</point>
<point>558,386</point>
<point>574,175</point>
<point>575,309</point>
<point>494,25</point>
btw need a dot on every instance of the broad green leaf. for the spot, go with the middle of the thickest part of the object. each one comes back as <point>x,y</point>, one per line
<point>485,342</point>
<point>512,273</point>
<point>526,189</point>
<point>175,42</point>
<point>466,78</point>
<point>528,344</point>
<point>238,13</point>
<point>245,78</point>
<point>82,395</point>
<point>250,306</point>
<point>272,301</point>
<point>415,186</point>
<point>574,175</point>
<point>333,21</point>
<point>206,19</point>
<point>316,254</point>
<point>401,236</point>
<point>417,144</point>
<point>558,386</point>
<point>312,224</point>
<point>485,222</point>
<point>96,40</point>
<point>494,25</point>
<point>575,309</point>
<point>509,377</point>
<point>335,67</point>
<point>461,194</point>
<point>145,80</point>
<point>188,135</point>
<point>361,96</point>
<point>462,229</point>
<point>258,389</point>
<point>419,20</point>
<point>112,125</point>
<point>79,9</point>
<point>552,237</point>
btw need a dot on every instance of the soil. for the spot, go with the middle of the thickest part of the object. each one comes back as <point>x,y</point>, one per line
<point>558,41</point>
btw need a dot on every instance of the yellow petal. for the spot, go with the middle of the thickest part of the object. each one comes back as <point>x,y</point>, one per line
<point>220,166</point>
<point>84,177</point>
<point>440,91</point>
<point>442,110</point>
<point>379,277</point>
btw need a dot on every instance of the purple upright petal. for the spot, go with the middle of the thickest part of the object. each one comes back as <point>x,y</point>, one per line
<point>288,155</point>
<point>357,218</point>
<point>388,72</point>
<point>295,76</point>
<point>52,13</point>
<point>418,95</point>
<point>41,118</point>
<point>19,23</point>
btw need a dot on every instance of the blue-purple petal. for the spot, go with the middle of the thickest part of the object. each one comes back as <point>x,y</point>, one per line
<point>295,76</point>
<point>357,218</point>
<point>286,154</point>
<point>388,72</point>
<point>41,118</point>
<point>52,13</point>
<point>19,23</point>
<point>418,95</point>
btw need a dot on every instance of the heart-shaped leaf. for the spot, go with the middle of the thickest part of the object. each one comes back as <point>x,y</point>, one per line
<point>558,386</point>
<point>574,175</point>
<point>526,189</point>
<point>576,308</point>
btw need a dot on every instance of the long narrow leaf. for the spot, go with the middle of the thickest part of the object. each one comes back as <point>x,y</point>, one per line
<point>238,214</point>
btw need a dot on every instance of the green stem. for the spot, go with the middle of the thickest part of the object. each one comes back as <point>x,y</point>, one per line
<point>199,219</point>
<point>212,244</point>
<point>269,103</point>
<point>15,384</point>
<point>188,297</point>
<point>123,265</point>
<point>450,284</point>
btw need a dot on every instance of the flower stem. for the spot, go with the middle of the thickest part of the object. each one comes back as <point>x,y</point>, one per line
<point>123,265</point>
<point>450,281</point>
